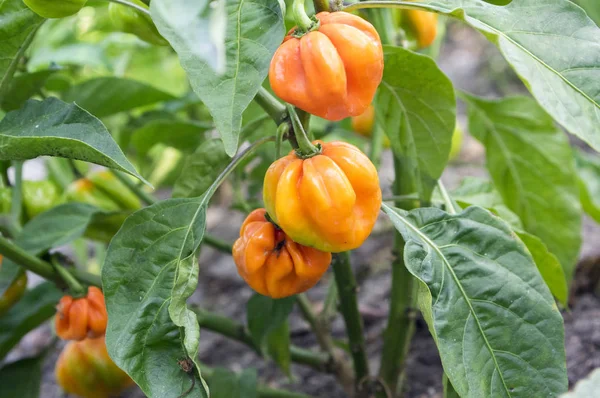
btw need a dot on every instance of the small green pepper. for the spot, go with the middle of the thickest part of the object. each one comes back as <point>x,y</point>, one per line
<point>84,191</point>
<point>127,19</point>
<point>39,196</point>
<point>115,189</point>
<point>5,200</point>
<point>55,8</point>
<point>13,293</point>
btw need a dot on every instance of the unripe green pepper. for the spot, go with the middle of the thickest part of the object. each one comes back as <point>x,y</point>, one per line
<point>5,200</point>
<point>39,196</point>
<point>84,191</point>
<point>115,189</point>
<point>129,20</point>
<point>55,8</point>
<point>457,139</point>
<point>13,293</point>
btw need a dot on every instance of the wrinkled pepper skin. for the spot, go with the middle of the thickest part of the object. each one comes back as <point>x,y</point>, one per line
<point>332,72</point>
<point>272,263</point>
<point>80,318</point>
<point>329,201</point>
<point>13,293</point>
<point>85,369</point>
<point>423,26</point>
<point>128,20</point>
<point>55,8</point>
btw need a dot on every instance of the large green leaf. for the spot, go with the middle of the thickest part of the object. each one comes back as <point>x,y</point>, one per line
<point>417,109</point>
<point>588,168</point>
<point>495,323</point>
<point>474,191</point>
<point>22,378</point>
<point>34,308</point>
<point>253,32</point>
<point>552,45</point>
<point>185,136</point>
<point>104,96</point>
<point>18,25</point>
<point>150,269</point>
<point>201,169</point>
<point>23,87</point>
<point>532,166</point>
<point>55,128</point>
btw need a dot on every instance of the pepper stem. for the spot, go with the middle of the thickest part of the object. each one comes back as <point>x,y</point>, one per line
<point>306,149</point>
<point>303,22</point>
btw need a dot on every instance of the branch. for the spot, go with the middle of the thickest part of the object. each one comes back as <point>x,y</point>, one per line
<point>271,105</point>
<point>346,284</point>
<point>237,331</point>
<point>41,267</point>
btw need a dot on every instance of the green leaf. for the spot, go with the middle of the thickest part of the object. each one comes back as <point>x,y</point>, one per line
<point>265,315</point>
<point>495,323</point>
<point>34,308</point>
<point>554,48</point>
<point>586,388</point>
<point>226,384</point>
<point>150,269</point>
<point>23,87</point>
<point>201,169</point>
<point>253,32</point>
<point>417,109</point>
<point>55,128</point>
<point>278,347</point>
<point>449,391</point>
<point>22,378</point>
<point>588,168</point>
<point>592,8</point>
<point>17,28</point>
<point>185,136</point>
<point>105,96</point>
<point>76,54</point>
<point>532,166</point>
<point>9,272</point>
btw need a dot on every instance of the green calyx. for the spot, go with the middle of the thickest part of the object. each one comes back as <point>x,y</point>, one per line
<point>316,24</point>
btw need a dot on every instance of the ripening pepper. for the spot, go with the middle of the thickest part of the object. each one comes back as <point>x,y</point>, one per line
<point>84,191</point>
<point>85,369</point>
<point>422,25</point>
<point>363,124</point>
<point>128,20</point>
<point>115,189</point>
<point>329,201</point>
<point>333,71</point>
<point>55,8</point>
<point>272,263</point>
<point>14,292</point>
<point>39,196</point>
<point>80,318</point>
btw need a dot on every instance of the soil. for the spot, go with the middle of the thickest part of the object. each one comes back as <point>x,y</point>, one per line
<point>473,65</point>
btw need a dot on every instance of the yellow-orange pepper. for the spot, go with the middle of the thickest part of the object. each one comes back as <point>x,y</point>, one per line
<point>331,72</point>
<point>329,201</point>
<point>79,318</point>
<point>85,369</point>
<point>272,263</point>
<point>423,25</point>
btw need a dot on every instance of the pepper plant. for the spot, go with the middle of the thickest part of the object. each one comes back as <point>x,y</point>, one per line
<point>175,98</point>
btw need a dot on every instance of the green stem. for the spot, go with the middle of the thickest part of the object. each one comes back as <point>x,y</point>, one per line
<point>282,131</point>
<point>346,286</point>
<point>451,206</point>
<point>376,145</point>
<point>330,303</point>
<point>74,286</point>
<point>305,147</point>
<point>41,267</point>
<point>303,22</point>
<point>12,66</point>
<point>388,4</point>
<point>133,187</point>
<point>236,331</point>
<point>271,105</point>
<point>217,244</point>
<point>321,5</point>
<point>132,5</point>
<point>17,193</point>
<point>400,327</point>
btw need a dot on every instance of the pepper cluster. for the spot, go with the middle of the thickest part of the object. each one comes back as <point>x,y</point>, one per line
<point>326,201</point>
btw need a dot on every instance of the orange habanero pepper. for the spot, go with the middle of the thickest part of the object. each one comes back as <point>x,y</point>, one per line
<point>272,263</point>
<point>329,201</point>
<point>331,72</point>
<point>79,318</point>
<point>85,369</point>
